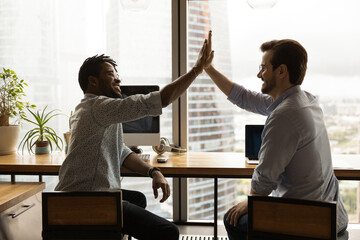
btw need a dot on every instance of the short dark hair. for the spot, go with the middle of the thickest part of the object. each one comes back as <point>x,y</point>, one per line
<point>92,67</point>
<point>292,54</point>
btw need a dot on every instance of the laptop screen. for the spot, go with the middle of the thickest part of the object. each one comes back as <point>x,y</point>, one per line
<point>253,141</point>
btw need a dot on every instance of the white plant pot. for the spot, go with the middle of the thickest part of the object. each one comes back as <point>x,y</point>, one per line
<point>9,136</point>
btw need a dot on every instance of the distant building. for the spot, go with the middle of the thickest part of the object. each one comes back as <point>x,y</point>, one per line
<point>210,121</point>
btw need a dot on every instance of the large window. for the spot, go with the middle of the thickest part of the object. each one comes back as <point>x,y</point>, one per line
<point>330,32</point>
<point>46,41</point>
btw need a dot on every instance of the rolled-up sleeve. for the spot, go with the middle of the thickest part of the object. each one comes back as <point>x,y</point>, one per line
<point>250,100</point>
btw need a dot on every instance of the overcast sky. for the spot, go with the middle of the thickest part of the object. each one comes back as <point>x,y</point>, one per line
<point>328,29</point>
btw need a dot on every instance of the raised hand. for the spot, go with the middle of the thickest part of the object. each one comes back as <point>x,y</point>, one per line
<point>199,65</point>
<point>205,57</point>
<point>209,52</point>
<point>221,81</point>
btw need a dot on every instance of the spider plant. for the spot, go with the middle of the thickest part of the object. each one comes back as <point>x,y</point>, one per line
<point>42,132</point>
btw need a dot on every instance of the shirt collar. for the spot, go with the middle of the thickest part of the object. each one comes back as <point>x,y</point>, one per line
<point>89,95</point>
<point>284,95</point>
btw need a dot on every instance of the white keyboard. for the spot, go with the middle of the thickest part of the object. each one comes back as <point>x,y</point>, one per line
<point>144,156</point>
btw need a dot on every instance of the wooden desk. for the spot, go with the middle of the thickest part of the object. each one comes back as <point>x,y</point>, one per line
<point>20,210</point>
<point>44,164</point>
<point>14,193</point>
<point>190,164</point>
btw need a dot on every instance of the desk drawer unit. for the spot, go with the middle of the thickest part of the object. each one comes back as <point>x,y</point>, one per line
<point>23,220</point>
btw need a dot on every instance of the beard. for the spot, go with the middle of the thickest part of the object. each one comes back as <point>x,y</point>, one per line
<point>115,95</point>
<point>110,92</point>
<point>268,86</point>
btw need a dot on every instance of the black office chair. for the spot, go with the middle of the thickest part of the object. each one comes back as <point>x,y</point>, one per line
<point>283,218</point>
<point>82,215</point>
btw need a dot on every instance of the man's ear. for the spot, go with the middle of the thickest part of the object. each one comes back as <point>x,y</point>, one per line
<point>282,69</point>
<point>92,81</point>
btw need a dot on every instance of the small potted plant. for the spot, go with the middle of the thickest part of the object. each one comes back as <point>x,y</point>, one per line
<point>11,106</point>
<point>42,137</point>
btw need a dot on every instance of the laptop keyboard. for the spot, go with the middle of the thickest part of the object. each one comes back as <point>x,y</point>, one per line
<point>144,156</point>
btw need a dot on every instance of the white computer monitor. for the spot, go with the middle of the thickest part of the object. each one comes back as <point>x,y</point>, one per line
<point>144,131</point>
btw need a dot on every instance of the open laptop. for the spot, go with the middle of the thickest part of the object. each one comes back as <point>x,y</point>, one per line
<point>253,143</point>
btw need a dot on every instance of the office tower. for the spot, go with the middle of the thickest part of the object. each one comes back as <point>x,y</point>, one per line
<point>211,117</point>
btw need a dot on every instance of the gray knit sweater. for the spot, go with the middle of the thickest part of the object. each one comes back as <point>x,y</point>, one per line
<point>96,150</point>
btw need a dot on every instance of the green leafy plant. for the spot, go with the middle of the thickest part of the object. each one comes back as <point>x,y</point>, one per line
<point>41,132</point>
<point>11,94</point>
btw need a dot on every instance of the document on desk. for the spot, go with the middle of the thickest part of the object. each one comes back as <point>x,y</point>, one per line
<point>252,161</point>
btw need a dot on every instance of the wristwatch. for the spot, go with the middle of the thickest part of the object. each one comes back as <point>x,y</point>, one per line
<point>151,170</point>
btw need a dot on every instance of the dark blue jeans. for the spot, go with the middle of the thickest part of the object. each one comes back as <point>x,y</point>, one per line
<point>240,231</point>
<point>142,224</point>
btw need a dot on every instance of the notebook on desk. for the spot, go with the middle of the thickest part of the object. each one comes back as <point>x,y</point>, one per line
<point>253,143</point>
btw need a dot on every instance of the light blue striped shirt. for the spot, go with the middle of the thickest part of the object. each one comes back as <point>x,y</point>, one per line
<point>295,155</point>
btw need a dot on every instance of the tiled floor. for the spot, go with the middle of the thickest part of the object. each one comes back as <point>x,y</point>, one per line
<point>204,231</point>
<point>201,237</point>
<point>201,230</point>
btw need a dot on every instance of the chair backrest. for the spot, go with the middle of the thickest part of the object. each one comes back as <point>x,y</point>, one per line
<point>82,215</point>
<point>284,218</point>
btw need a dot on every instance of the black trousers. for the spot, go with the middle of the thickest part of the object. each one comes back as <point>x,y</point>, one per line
<point>142,224</point>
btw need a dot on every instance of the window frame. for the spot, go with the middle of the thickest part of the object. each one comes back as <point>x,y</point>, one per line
<point>180,106</point>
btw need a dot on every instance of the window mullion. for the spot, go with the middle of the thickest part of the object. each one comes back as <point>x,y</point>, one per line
<point>180,113</point>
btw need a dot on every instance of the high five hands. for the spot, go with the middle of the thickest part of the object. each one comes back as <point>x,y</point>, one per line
<point>209,52</point>
<point>206,55</point>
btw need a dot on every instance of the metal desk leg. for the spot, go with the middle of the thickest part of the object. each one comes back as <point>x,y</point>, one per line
<point>215,208</point>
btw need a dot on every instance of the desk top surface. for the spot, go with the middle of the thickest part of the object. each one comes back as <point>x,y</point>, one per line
<point>190,164</point>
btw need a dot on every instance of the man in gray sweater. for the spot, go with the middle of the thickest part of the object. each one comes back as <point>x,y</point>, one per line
<point>97,152</point>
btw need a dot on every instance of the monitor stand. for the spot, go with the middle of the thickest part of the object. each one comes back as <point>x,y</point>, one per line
<point>136,149</point>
